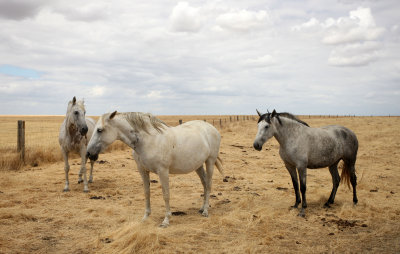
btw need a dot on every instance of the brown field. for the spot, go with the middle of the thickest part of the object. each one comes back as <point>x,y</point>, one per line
<point>249,212</point>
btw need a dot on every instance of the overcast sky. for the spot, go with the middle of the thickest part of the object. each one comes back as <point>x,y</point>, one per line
<point>200,57</point>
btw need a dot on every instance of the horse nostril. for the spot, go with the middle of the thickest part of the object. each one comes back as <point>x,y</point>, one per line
<point>257,146</point>
<point>84,130</point>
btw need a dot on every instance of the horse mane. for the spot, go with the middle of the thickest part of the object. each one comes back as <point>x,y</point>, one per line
<point>138,120</point>
<point>293,117</point>
<point>267,118</point>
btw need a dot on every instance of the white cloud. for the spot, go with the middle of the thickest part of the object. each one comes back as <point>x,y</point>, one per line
<point>98,91</point>
<point>241,20</point>
<point>259,62</point>
<point>185,18</point>
<point>358,54</point>
<point>359,26</point>
<point>354,37</point>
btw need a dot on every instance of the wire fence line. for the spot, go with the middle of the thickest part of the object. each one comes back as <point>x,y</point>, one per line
<point>43,131</point>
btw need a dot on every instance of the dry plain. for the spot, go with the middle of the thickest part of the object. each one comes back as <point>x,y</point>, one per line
<point>249,209</point>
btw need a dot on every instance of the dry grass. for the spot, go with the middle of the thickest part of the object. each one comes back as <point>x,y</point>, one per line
<point>41,141</point>
<point>249,213</point>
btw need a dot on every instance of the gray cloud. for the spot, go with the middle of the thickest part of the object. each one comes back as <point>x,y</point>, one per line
<point>20,9</point>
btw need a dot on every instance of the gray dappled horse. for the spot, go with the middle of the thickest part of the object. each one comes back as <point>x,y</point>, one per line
<point>75,133</point>
<point>305,147</point>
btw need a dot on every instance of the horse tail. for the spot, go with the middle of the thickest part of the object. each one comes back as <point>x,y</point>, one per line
<point>345,174</point>
<point>218,163</point>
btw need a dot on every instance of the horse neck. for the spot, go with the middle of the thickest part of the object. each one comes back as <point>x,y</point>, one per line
<point>70,126</point>
<point>288,130</point>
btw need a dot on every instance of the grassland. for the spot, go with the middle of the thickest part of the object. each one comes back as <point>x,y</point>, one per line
<point>249,210</point>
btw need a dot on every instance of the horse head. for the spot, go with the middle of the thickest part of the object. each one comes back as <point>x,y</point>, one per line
<point>266,128</point>
<point>76,117</point>
<point>105,132</point>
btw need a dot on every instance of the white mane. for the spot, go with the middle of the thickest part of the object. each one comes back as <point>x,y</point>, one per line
<point>142,121</point>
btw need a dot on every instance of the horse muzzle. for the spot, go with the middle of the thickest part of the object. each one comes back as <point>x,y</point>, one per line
<point>92,157</point>
<point>257,146</point>
<point>84,130</point>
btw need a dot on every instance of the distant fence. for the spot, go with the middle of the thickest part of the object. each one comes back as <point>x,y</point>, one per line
<point>224,121</point>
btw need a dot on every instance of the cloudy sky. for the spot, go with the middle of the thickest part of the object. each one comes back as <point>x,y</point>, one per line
<point>200,57</point>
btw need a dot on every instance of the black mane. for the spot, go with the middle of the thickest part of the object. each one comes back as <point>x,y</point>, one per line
<point>267,117</point>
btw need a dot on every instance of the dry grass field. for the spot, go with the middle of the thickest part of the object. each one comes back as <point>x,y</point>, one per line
<point>249,209</point>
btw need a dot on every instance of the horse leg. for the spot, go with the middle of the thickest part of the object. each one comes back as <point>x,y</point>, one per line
<point>91,171</point>
<point>303,188</point>
<point>293,174</point>
<point>83,169</point>
<point>66,169</point>
<point>164,179</point>
<point>353,180</point>
<point>335,184</point>
<point>210,171</point>
<point>202,174</point>
<point>146,186</point>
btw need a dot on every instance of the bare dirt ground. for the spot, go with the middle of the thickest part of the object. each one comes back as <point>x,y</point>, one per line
<point>249,210</point>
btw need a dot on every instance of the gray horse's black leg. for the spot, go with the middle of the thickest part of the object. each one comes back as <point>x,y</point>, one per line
<point>335,184</point>
<point>353,180</point>
<point>296,191</point>
<point>303,188</point>
<point>293,175</point>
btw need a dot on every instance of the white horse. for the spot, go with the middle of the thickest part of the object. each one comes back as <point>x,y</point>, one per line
<point>74,133</point>
<point>161,149</point>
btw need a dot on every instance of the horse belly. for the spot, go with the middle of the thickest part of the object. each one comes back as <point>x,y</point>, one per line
<point>190,150</point>
<point>323,157</point>
<point>188,158</point>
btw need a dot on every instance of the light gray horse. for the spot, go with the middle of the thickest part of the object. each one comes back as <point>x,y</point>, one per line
<point>74,133</point>
<point>162,149</point>
<point>304,147</point>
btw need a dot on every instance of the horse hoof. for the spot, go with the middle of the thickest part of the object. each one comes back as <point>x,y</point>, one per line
<point>327,205</point>
<point>86,191</point>
<point>164,225</point>
<point>301,214</point>
<point>80,181</point>
<point>204,214</point>
<point>66,190</point>
<point>201,211</point>
<point>90,181</point>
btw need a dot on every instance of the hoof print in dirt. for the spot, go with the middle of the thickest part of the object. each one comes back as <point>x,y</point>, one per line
<point>97,197</point>
<point>178,213</point>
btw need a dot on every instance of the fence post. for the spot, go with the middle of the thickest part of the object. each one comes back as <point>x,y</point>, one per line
<point>180,121</point>
<point>21,140</point>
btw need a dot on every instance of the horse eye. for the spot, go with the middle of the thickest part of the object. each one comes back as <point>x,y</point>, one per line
<point>267,126</point>
<point>99,130</point>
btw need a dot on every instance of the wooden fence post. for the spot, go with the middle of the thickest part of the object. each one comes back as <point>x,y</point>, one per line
<point>21,140</point>
<point>180,121</point>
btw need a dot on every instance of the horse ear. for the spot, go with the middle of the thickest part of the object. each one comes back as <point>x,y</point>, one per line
<point>273,113</point>
<point>73,100</point>
<point>113,114</point>
<point>259,114</point>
